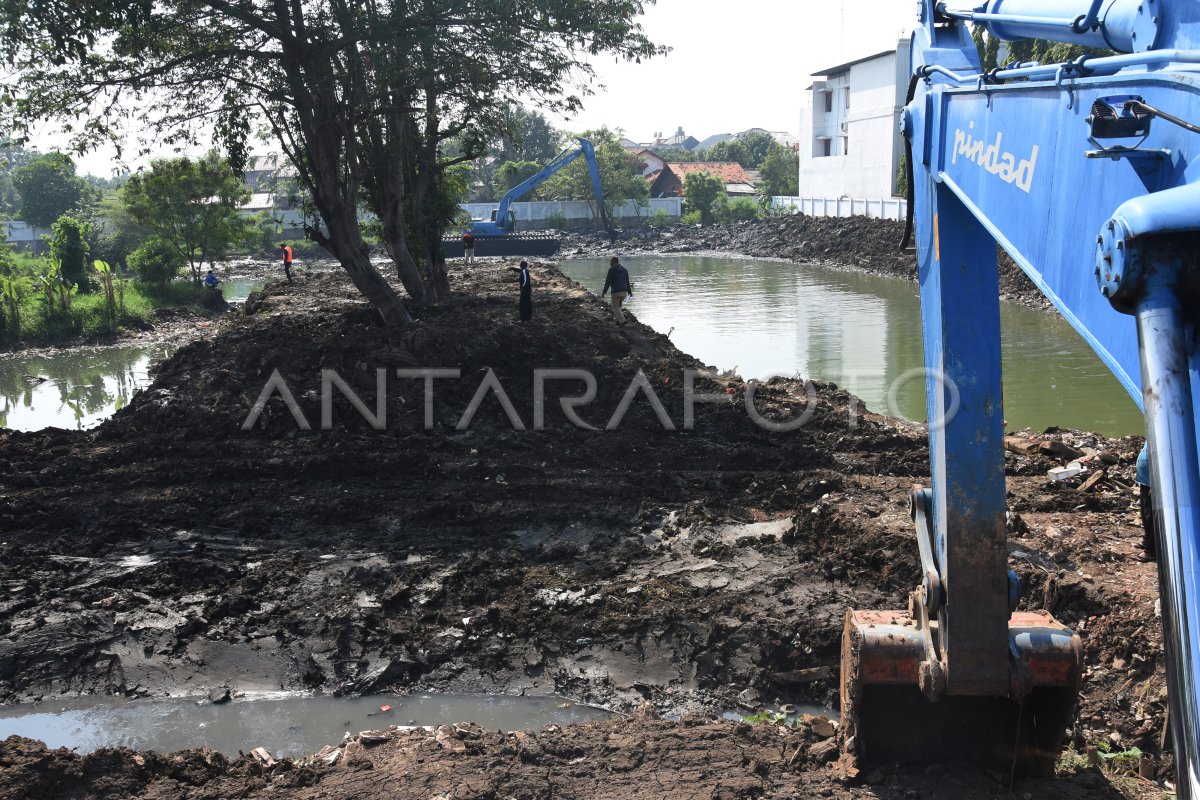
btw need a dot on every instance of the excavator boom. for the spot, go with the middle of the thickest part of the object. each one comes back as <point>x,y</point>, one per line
<point>1086,172</point>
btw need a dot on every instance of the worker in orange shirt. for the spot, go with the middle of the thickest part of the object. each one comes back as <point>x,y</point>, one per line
<point>286,252</point>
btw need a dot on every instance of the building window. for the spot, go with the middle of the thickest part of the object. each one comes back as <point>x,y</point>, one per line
<point>847,93</point>
<point>828,101</point>
<point>845,144</point>
<point>826,147</point>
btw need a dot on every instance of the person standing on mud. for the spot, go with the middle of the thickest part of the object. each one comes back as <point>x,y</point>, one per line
<point>469,246</point>
<point>286,252</point>
<point>617,280</point>
<point>525,306</point>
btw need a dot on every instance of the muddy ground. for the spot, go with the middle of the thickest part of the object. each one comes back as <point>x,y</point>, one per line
<point>870,245</point>
<point>651,568</point>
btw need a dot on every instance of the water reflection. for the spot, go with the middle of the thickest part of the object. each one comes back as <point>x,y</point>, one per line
<point>72,389</point>
<point>860,331</point>
<point>286,725</point>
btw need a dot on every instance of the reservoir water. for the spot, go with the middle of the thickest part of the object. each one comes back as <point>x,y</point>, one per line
<point>860,331</point>
<point>290,726</point>
<point>73,389</point>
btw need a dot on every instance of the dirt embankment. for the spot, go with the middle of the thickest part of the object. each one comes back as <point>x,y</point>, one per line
<point>871,245</point>
<point>648,566</point>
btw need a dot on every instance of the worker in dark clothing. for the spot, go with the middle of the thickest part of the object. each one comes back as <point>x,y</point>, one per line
<point>1146,503</point>
<point>286,252</point>
<point>525,306</point>
<point>211,280</point>
<point>618,281</point>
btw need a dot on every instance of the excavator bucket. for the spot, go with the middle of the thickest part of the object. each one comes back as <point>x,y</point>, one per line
<point>525,244</point>
<point>887,716</point>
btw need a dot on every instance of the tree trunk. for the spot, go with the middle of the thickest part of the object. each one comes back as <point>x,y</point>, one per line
<point>391,198</point>
<point>439,280</point>
<point>354,259</point>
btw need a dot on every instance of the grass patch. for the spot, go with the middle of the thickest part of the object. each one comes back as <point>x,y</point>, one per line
<point>89,315</point>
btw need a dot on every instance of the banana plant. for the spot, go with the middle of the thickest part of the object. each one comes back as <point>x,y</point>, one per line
<point>107,279</point>
<point>12,292</point>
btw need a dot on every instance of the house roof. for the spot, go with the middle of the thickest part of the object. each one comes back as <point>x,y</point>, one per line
<point>840,68</point>
<point>711,140</point>
<point>728,171</point>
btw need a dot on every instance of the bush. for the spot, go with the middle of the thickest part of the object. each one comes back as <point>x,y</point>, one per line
<point>691,218</point>
<point>659,220</point>
<point>743,209</point>
<point>69,250</point>
<point>557,220</point>
<point>157,261</point>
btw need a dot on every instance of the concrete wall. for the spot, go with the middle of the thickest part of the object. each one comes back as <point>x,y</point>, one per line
<point>865,145</point>
<point>888,208</point>
<point>24,236</point>
<point>535,214</point>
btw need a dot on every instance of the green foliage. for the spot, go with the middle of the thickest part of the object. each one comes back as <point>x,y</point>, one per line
<point>193,205</point>
<point>659,219</point>
<point>620,175</point>
<point>730,150</point>
<point>1039,50</point>
<point>767,718</point>
<point>49,188</point>
<point>7,262</point>
<point>524,137</point>
<point>557,220</point>
<point>69,251</point>
<point>12,158</point>
<point>902,178</point>
<point>115,233</point>
<point>749,150</point>
<point>700,192</point>
<point>677,154</point>
<point>780,171</point>
<point>1128,759</point>
<point>13,291</point>
<point>157,261</point>
<point>113,288</point>
<point>514,173</point>
<point>353,93</point>
<point>691,218</point>
<point>743,209</point>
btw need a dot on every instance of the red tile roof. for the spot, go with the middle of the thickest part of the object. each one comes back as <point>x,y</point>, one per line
<point>730,172</point>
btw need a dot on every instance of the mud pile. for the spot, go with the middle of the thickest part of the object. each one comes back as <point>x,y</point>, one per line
<point>871,245</point>
<point>649,566</point>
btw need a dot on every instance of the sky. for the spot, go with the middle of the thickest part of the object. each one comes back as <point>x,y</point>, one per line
<point>734,64</point>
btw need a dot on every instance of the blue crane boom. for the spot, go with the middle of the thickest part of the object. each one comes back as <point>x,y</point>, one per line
<point>1086,172</point>
<point>503,224</point>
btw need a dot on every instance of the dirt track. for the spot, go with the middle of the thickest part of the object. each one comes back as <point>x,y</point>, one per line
<point>670,570</point>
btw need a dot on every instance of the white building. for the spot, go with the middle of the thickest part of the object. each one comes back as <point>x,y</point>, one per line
<point>850,142</point>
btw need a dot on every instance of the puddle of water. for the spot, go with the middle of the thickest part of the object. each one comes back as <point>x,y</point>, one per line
<point>861,332</point>
<point>790,714</point>
<point>72,389</point>
<point>286,726</point>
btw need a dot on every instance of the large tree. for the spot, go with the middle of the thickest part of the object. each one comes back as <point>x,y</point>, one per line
<point>780,172</point>
<point>49,188</point>
<point>193,204</point>
<point>355,93</point>
<point>493,53</point>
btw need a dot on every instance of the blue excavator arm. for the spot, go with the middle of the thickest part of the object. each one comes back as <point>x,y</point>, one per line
<point>503,224</point>
<point>1088,174</point>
